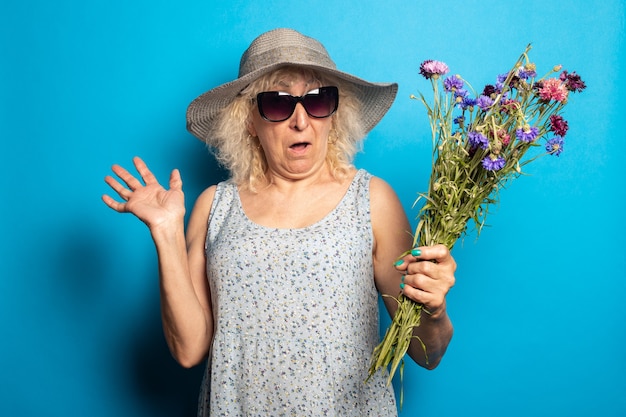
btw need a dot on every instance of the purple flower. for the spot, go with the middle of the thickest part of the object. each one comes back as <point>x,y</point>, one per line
<point>525,74</point>
<point>468,102</point>
<point>500,81</point>
<point>489,90</point>
<point>430,69</point>
<point>459,97</point>
<point>477,139</point>
<point>572,81</point>
<point>527,71</point>
<point>493,162</point>
<point>558,125</point>
<point>555,146</point>
<point>452,83</point>
<point>484,102</point>
<point>527,133</point>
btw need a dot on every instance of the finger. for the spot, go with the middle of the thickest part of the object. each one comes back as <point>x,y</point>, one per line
<point>430,298</point>
<point>418,281</point>
<point>437,253</point>
<point>130,181</point>
<point>115,205</point>
<point>425,268</point>
<point>117,187</point>
<point>176,182</point>
<point>147,175</point>
<point>416,294</point>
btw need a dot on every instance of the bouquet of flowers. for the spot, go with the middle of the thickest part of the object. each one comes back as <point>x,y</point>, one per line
<point>480,143</point>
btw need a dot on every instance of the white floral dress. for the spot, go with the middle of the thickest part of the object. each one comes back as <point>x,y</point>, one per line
<point>296,314</point>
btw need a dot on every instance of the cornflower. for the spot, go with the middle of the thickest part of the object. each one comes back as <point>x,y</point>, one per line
<point>504,137</point>
<point>555,145</point>
<point>527,133</point>
<point>477,139</point>
<point>553,89</point>
<point>493,162</point>
<point>489,90</point>
<point>468,103</point>
<point>452,83</point>
<point>433,69</point>
<point>459,96</point>
<point>527,71</point>
<point>509,105</point>
<point>484,102</point>
<point>572,81</point>
<point>558,125</point>
<point>500,79</point>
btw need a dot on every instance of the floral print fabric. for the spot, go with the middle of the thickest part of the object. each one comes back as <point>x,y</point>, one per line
<point>296,314</point>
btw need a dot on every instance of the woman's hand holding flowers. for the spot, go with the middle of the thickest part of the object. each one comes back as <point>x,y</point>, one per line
<point>428,275</point>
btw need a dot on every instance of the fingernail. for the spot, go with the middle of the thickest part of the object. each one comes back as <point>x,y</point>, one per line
<point>402,285</point>
<point>402,279</point>
<point>416,252</point>
<point>398,263</point>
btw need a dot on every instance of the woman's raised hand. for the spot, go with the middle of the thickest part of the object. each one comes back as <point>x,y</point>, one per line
<point>147,200</point>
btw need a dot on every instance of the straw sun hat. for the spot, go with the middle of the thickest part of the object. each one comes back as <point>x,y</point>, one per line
<point>275,49</point>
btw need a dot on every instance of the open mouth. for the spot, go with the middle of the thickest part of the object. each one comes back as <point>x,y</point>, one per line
<point>300,146</point>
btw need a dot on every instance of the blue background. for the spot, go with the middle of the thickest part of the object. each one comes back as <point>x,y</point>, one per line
<point>538,306</point>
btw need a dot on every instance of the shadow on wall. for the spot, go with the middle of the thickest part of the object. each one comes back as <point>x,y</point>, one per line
<point>163,386</point>
<point>168,389</point>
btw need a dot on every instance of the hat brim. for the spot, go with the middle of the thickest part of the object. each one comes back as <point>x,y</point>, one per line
<point>375,98</point>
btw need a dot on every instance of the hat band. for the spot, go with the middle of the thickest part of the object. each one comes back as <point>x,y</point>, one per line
<point>288,55</point>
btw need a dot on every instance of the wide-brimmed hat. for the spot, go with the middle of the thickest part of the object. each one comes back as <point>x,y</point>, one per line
<point>272,50</point>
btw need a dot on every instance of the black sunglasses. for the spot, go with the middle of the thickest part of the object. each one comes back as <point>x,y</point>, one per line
<point>275,106</point>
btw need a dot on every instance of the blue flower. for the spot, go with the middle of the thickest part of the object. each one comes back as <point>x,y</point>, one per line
<point>500,81</point>
<point>493,162</point>
<point>477,139</point>
<point>460,93</point>
<point>527,71</point>
<point>459,98</point>
<point>484,102</point>
<point>468,102</point>
<point>452,83</point>
<point>527,133</point>
<point>555,146</point>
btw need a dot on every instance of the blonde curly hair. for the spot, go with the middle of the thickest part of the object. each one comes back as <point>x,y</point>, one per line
<point>242,155</point>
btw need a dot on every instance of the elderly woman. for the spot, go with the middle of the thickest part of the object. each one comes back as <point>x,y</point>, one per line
<point>277,276</point>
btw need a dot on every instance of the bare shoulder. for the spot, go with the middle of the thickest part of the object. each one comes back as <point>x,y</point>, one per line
<point>205,199</point>
<point>389,220</point>
<point>383,197</point>
<point>198,220</point>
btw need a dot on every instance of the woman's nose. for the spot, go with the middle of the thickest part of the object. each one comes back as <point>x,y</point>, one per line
<point>299,118</point>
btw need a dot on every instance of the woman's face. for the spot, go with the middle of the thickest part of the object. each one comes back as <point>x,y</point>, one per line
<point>294,148</point>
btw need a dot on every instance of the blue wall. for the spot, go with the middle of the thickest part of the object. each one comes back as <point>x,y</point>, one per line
<point>538,306</point>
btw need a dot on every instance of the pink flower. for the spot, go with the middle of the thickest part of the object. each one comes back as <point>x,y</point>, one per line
<point>433,69</point>
<point>504,137</point>
<point>509,105</point>
<point>553,89</point>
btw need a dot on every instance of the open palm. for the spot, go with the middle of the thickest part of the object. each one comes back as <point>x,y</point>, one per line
<point>148,200</point>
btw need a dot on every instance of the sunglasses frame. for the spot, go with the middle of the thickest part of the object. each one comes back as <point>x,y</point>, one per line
<point>298,99</point>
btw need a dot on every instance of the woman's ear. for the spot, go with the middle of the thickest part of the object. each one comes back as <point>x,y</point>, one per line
<point>251,128</point>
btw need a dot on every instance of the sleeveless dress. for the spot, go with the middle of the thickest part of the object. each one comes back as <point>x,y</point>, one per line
<point>295,313</point>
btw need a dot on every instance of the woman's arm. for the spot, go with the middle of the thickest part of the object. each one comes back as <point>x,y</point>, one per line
<point>185,295</point>
<point>425,282</point>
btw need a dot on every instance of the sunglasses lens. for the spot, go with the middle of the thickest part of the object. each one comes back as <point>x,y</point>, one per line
<point>277,107</point>
<point>274,106</point>
<point>322,104</point>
